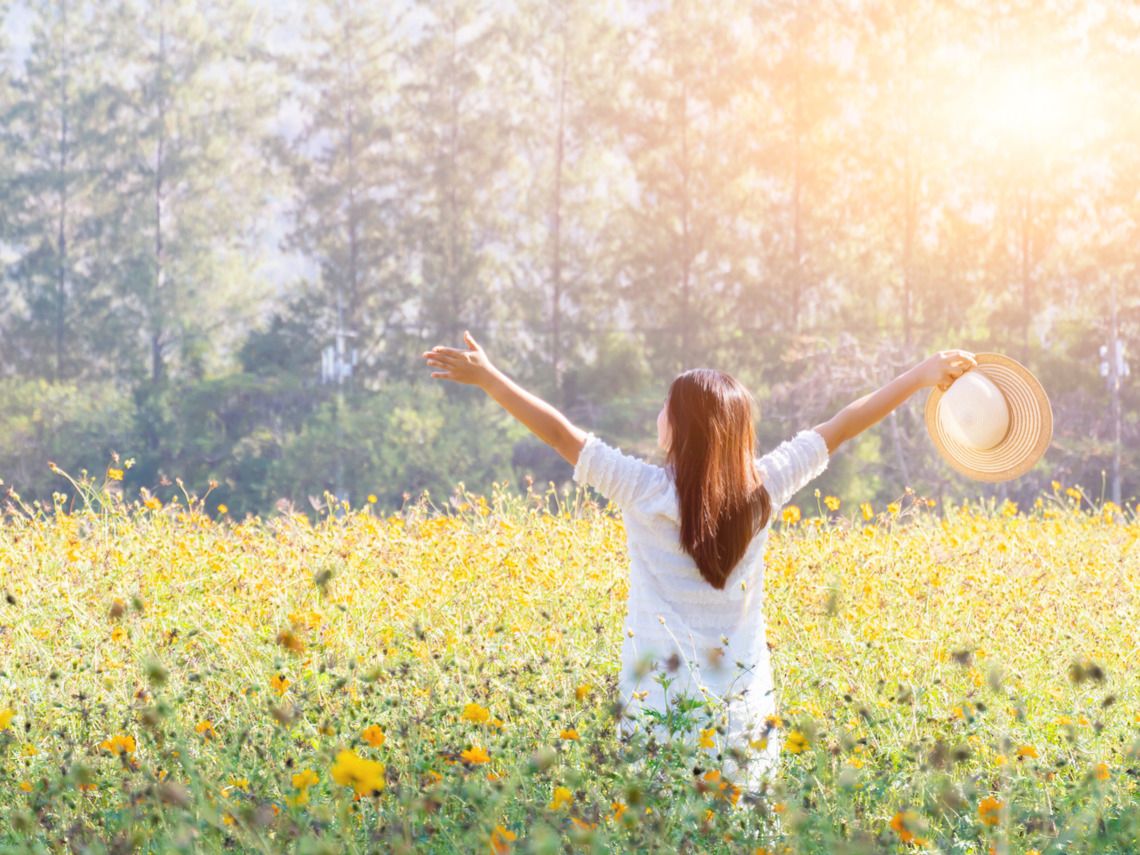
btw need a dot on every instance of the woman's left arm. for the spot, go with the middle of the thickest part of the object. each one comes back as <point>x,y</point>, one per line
<point>472,367</point>
<point>939,369</point>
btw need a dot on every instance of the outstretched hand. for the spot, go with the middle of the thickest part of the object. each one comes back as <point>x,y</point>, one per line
<point>944,367</point>
<point>469,366</point>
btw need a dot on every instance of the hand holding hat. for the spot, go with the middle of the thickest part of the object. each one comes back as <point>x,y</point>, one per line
<point>993,421</point>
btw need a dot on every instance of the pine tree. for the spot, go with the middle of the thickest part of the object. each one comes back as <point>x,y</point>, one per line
<point>191,178</point>
<point>348,213</point>
<point>56,137</point>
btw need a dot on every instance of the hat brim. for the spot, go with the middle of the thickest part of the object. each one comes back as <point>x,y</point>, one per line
<point>1030,424</point>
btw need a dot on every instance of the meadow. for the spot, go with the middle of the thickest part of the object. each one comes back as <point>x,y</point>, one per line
<point>443,679</point>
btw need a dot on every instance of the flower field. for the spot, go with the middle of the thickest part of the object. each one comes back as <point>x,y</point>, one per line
<point>950,680</point>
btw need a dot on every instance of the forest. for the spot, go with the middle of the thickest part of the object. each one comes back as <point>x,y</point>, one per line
<point>229,228</point>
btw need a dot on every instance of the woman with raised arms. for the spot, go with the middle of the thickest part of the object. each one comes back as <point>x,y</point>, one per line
<point>696,530</point>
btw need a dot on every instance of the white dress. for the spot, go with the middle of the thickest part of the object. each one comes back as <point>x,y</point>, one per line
<point>710,642</point>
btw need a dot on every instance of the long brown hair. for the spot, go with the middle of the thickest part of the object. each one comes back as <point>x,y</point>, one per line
<point>723,501</point>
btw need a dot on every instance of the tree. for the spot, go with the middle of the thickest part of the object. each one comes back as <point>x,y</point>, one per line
<point>348,214</point>
<point>190,177</point>
<point>57,134</point>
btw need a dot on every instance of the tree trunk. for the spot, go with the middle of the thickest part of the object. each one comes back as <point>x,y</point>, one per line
<point>556,232</point>
<point>61,240</point>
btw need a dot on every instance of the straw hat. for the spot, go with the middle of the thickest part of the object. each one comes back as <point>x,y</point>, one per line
<point>994,422</point>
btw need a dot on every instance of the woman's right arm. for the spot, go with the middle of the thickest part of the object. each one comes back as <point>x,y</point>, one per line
<point>472,367</point>
<point>940,369</point>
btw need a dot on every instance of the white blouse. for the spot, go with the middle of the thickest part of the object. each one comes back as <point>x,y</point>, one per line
<point>711,643</point>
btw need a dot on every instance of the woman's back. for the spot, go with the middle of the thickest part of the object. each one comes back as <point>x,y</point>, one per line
<point>709,643</point>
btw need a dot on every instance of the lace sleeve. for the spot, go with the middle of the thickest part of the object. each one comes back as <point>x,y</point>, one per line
<point>792,464</point>
<point>619,477</point>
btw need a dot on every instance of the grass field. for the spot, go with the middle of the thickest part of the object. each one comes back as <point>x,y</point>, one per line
<point>951,680</point>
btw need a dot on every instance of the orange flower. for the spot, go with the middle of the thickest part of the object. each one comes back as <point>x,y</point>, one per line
<point>989,810</point>
<point>903,822</point>
<point>568,733</point>
<point>501,840</point>
<point>373,735</point>
<point>475,755</point>
<point>279,683</point>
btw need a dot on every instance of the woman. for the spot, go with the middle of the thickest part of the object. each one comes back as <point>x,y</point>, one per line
<point>696,532</point>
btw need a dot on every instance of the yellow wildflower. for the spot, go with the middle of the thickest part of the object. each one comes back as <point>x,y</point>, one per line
<point>868,511</point>
<point>305,778</point>
<point>475,713</point>
<point>707,738</point>
<point>119,744</point>
<point>568,733</point>
<point>6,716</point>
<point>279,683</point>
<point>364,776</point>
<point>831,502</point>
<point>562,798</point>
<point>791,515</point>
<point>475,755</point>
<point>796,742</point>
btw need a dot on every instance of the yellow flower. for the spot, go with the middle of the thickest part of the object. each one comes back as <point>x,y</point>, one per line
<point>707,738</point>
<point>893,509</point>
<point>300,798</point>
<point>618,808</point>
<point>115,474</point>
<point>475,755</point>
<point>868,511</point>
<point>989,810</point>
<point>204,726</point>
<point>1101,771</point>
<point>568,733</point>
<point>279,683</point>
<point>582,691</point>
<point>373,735</point>
<point>1026,751</point>
<point>364,776</point>
<point>305,778</point>
<point>239,784</point>
<point>791,515</point>
<point>6,716</point>
<point>372,499</point>
<point>223,509</point>
<point>796,742</point>
<point>831,502</point>
<point>118,634</point>
<point>26,786</point>
<point>119,744</point>
<point>475,713</point>
<point>562,798</point>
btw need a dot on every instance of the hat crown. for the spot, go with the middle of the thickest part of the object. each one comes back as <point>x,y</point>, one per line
<point>974,412</point>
